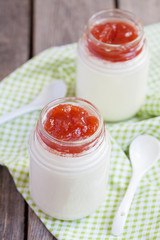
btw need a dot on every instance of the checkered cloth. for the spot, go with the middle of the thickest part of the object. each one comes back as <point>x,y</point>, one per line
<point>143,221</point>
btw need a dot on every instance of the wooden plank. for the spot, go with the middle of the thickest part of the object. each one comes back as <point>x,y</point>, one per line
<point>14,51</point>
<point>146,10</point>
<point>14,40</point>
<point>11,208</point>
<point>36,229</point>
<point>59,22</point>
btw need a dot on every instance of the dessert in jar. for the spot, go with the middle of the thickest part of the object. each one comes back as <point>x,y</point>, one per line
<point>69,159</point>
<point>112,64</point>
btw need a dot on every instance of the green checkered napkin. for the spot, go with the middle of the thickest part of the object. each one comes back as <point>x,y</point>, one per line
<point>143,221</point>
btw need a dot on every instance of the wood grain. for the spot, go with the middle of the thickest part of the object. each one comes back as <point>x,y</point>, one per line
<point>14,35</point>
<point>147,10</point>
<point>11,208</point>
<point>59,22</point>
<point>14,51</point>
<point>36,229</point>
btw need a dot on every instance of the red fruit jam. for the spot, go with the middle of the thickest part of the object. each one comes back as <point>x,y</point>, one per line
<point>112,33</point>
<point>68,122</point>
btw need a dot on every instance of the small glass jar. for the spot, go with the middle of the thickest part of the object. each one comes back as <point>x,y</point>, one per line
<point>113,76</point>
<point>68,179</point>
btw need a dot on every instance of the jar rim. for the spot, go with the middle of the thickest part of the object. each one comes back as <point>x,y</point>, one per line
<point>128,15</point>
<point>64,100</point>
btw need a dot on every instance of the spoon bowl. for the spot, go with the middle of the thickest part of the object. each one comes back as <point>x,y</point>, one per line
<point>53,90</point>
<point>144,151</point>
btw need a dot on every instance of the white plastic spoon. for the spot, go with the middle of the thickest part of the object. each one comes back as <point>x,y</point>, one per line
<point>53,90</point>
<point>144,152</point>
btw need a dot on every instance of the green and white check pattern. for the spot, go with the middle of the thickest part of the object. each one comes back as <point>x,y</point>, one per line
<point>143,221</point>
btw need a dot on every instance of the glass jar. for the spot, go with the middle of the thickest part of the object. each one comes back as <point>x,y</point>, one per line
<point>113,76</point>
<point>68,179</point>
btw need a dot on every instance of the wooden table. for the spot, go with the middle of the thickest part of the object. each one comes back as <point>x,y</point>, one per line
<point>27,28</point>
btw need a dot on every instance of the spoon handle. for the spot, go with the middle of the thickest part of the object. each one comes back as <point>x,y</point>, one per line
<point>18,112</point>
<point>121,215</point>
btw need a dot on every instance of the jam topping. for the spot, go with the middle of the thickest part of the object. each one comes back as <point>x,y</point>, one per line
<point>114,32</point>
<point>68,122</point>
<point>110,34</point>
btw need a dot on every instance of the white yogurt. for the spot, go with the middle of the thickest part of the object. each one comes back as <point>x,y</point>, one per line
<point>69,186</point>
<point>118,89</point>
